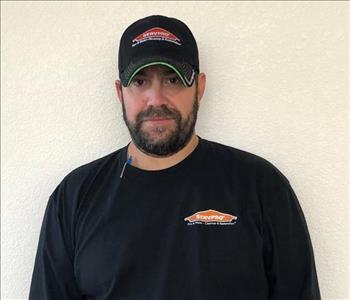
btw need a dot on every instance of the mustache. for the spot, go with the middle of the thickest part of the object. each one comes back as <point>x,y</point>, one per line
<point>154,112</point>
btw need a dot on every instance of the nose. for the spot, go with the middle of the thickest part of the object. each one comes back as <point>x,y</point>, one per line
<point>156,94</point>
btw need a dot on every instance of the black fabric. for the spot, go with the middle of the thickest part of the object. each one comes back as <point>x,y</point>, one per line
<point>183,51</point>
<point>105,237</point>
<point>185,69</point>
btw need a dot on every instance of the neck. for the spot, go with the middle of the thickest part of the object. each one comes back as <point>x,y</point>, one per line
<point>146,162</point>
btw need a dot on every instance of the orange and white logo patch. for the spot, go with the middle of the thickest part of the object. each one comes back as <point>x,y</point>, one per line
<point>156,34</point>
<point>211,217</point>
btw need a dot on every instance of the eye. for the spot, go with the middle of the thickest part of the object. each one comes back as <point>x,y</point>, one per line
<point>174,80</point>
<point>138,81</point>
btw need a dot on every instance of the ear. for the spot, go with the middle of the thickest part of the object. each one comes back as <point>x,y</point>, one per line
<point>201,85</point>
<point>118,87</point>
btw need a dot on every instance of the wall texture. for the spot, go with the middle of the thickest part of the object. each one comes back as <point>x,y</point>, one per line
<point>277,86</point>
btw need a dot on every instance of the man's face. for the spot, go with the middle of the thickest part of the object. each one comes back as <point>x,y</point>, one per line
<point>159,111</point>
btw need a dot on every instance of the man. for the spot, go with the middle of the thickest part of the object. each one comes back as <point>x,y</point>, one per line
<point>172,216</point>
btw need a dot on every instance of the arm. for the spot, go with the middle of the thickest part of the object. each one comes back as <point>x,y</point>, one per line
<point>53,274</point>
<point>288,253</point>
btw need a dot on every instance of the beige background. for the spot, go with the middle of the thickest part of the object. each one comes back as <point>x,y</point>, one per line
<point>277,87</point>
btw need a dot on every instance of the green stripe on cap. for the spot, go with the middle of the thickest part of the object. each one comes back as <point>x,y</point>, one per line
<point>157,63</point>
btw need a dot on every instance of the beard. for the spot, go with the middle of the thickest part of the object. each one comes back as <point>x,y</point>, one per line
<point>168,140</point>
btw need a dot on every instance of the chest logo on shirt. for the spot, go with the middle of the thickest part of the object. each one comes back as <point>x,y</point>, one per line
<point>211,217</point>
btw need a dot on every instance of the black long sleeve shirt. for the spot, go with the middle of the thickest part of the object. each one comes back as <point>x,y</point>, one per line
<point>221,224</point>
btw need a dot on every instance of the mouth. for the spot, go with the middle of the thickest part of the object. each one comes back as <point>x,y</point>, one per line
<point>158,120</point>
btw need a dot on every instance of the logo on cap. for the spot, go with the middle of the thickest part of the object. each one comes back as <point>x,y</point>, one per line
<point>211,217</point>
<point>156,34</point>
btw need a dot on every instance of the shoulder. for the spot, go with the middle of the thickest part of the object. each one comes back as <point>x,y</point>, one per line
<point>95,167</point>
<point>81,178</point>
<point>254,173</point>
<point>244,163</point>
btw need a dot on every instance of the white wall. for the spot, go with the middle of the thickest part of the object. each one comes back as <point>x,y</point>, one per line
<point>277,86</point>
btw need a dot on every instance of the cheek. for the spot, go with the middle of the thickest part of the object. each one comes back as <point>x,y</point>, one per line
<point>132,110</point>
<point>133,104</point>
<point>184,106</point>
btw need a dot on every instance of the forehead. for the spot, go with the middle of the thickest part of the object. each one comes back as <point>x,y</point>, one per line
<point>155,69</point>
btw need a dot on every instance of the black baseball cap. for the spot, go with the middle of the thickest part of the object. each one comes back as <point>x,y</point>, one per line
<point>158,40</point>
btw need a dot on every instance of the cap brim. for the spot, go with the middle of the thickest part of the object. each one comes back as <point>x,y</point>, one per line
<point>183,70</point>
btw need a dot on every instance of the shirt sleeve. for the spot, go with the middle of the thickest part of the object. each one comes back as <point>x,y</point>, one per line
<point>288,254</point>
<point>53,275</point>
